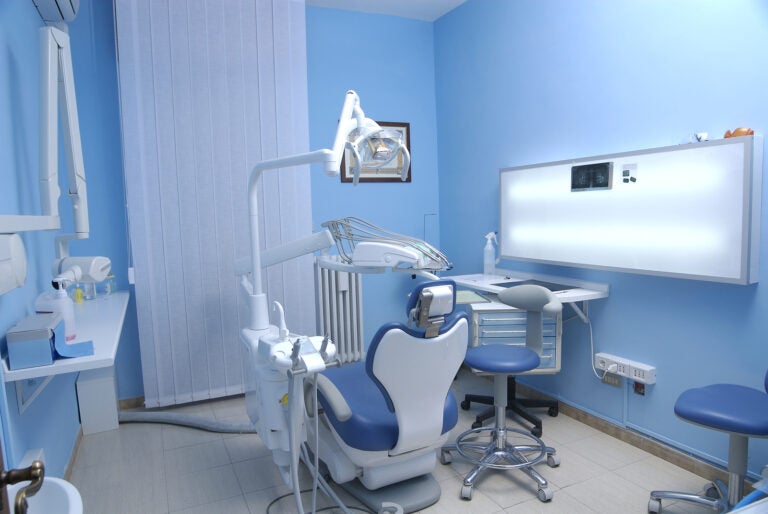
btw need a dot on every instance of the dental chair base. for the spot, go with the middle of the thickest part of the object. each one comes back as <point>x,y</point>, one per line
<point>411,495</point>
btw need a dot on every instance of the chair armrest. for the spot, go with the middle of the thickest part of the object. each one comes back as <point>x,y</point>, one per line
<point>333,397</point>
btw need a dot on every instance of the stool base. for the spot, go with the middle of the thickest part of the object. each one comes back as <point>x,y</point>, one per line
<point>499,452</point>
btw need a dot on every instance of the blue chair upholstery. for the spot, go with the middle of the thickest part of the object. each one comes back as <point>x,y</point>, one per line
<point>373,424</point>
<point>741,412</point>
<point>384,418</point>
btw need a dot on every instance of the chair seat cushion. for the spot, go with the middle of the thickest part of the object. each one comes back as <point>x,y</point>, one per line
<point>372,427</point>
<point>726,407</point>
<point>502,358</point>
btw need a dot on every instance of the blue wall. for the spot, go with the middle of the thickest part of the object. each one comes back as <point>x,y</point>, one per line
<point>51,422</point>
<point>389,61</point>
<point>492,84</point>
<point>536,81</point>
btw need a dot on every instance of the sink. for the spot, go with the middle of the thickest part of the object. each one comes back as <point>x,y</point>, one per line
<point>56,496</point>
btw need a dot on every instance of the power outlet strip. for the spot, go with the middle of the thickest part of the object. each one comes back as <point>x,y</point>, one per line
<point>644,373</point>
<point>612,364</point>
<point>637,371</point>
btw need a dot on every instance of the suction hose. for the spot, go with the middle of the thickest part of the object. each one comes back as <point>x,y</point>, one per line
<point>186,420</point>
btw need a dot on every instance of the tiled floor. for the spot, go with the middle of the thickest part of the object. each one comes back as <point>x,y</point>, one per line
<point>146,469</point>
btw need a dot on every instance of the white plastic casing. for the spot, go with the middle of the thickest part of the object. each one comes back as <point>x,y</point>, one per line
<point>13,262</point>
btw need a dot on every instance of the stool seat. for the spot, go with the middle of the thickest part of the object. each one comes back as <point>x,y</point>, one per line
<point>739,411</point>
<point>500,447</point>
<point>726,407</point>
<point>501,358</point>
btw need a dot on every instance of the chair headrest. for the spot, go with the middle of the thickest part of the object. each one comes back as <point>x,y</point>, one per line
<point>429,303</point>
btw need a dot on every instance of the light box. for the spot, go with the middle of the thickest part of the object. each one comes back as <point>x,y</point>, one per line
<point>688,211</point>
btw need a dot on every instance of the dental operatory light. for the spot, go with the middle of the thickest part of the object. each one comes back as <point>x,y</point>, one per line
<point>373,147</point>
<point>370,146</point>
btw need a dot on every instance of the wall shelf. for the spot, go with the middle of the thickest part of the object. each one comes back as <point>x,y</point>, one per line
<point>99,320</point>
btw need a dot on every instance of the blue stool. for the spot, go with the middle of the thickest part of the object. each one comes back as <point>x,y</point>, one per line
<point>741,412</point>
<point>500,447</point>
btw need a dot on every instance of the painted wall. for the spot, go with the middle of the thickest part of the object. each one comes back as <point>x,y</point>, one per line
<point>389,61</point>
<point>537,81</point>
<point>51,422</point>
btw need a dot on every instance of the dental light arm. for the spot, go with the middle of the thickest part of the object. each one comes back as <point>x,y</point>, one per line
<point>352,119</point>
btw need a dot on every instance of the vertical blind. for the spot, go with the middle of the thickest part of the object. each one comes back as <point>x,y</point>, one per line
<point>207,89</point>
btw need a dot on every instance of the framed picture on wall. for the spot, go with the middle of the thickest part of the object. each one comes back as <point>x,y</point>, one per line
<point>387,173</point>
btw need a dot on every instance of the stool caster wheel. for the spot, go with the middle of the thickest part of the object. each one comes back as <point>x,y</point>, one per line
<point>465,404</point>
<point>476,424</point>
<point>446,458</point>
<point>654,506</point>
<point>536,431</point>
<point>553,461</point>
<point>712,492</point>
<point>553,412</point>
<point>544,494</point>
<point>466,492</point>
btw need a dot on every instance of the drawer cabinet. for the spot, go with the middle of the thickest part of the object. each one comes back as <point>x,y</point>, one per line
<point>497,323</point>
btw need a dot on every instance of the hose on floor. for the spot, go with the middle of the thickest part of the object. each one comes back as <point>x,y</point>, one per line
<point>186,420</point>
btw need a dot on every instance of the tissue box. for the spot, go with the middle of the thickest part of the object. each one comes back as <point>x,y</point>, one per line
<point>31,340</point>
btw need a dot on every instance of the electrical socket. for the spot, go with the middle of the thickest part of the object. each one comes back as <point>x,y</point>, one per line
<point>637,371</point>
<point>644,373</point>
<point>612,379</point>
<point>612,364</point>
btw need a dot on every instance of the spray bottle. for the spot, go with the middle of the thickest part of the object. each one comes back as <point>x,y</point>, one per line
<point>58,301</point>
<point>489,254</point>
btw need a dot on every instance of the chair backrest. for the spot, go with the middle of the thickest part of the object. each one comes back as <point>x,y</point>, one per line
<point>414,371</point>
<point>535,300</point>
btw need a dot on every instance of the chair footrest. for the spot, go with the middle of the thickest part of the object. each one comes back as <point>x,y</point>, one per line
<point>508,448</point>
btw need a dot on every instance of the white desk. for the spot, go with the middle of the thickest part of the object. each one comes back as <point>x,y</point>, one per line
<point>101,321</point>
<point>576,291</point>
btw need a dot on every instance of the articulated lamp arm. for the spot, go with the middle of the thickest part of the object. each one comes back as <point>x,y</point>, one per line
<point>352,118</point>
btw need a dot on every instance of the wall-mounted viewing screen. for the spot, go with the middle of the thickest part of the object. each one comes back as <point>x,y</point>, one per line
<point>688,211</point>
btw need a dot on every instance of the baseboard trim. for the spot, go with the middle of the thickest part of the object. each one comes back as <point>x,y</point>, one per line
<point>75,448</point>
<point>663,451</point>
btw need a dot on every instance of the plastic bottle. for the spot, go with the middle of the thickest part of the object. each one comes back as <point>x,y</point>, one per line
<point>59,301</point>
<point>489,254</point>
<point>78,294</point>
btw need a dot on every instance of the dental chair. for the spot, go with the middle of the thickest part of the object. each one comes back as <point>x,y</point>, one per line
<point>382,420</point>
<point>739,411</point>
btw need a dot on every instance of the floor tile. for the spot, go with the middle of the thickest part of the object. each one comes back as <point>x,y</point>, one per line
<point>610,493</point>
<point>188,459</point>
<point>608,451</point>
<point>202,487</point>
<point>562,503</point>
<point>162,469</point>
<point>234,505</point>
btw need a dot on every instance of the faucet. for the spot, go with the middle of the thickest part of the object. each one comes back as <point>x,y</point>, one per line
<point>34,473</point>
